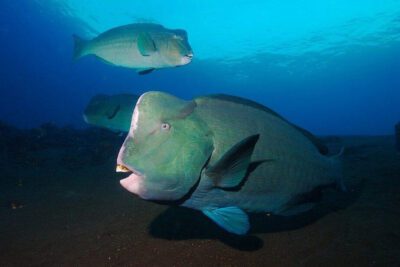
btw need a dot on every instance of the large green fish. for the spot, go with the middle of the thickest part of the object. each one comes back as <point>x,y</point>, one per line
<point>222,155</point>
<point>141,46</point>
<point>112,112</point>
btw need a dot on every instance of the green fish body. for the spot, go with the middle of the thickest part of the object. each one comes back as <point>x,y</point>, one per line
<point>112,112</point>
<point>141,46</point>
<point>223,155</point>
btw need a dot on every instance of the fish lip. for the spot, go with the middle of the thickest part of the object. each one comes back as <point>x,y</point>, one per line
<point>126,168</point>
<point>133,183</point>
<point>186,60</point>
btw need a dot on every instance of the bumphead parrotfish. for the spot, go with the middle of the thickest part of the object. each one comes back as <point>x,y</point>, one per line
<point>222,155</point>
<point>113,112</point>
<point>141,46</point>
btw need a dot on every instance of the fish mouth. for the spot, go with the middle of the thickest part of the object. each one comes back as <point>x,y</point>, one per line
<point>186,59</point>
<point>132,183</point>
<point>122,168</point>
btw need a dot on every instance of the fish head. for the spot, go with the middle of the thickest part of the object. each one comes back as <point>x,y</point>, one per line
<point>166,148</point>
<point>177,51</point>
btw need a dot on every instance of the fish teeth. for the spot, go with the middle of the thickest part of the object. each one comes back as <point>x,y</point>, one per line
<point>122,168</point>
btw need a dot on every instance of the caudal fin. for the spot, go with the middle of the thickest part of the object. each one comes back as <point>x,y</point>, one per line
<point>337,162</point>
<point>79,45</point>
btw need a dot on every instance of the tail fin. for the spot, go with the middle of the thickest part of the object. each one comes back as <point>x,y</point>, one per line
<point>337,162</point>
<point>79,45</point>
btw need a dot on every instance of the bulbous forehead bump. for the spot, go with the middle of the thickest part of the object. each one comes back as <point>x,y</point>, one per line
<point>159,104</point>
<point>153,107</point>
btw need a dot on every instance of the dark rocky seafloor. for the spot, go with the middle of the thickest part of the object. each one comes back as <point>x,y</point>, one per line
<point>61,205</point>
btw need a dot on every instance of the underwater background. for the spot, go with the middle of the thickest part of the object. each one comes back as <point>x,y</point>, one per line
<point>331,67</point>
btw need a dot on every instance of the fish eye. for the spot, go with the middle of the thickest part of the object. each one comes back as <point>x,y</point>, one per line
<point>165,126</point>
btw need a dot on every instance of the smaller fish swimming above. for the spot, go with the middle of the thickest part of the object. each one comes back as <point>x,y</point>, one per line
<point>141,46</point>
<point>112,112</point>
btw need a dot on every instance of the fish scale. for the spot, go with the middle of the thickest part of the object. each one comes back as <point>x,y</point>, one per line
<point>246,158</point>
<point>302,172</point>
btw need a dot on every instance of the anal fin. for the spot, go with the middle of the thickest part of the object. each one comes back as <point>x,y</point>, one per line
<point>232,219</point>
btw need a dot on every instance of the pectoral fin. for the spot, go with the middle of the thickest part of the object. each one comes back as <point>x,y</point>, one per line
<point>231,168</point>
<point>232,219</point>
<point>145,44</point>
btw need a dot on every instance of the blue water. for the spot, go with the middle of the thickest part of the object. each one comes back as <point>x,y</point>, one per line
<point>332,67</point>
